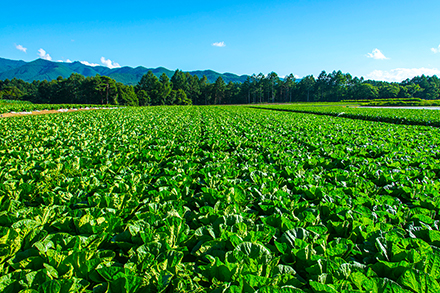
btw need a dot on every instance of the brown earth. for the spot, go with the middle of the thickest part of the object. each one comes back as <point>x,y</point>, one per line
<point>41,112</point>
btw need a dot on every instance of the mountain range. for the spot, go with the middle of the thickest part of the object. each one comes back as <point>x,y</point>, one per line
<point>41,69</point>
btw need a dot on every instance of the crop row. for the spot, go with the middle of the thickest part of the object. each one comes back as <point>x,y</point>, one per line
<point>396,116</point>
<point>201,199</point>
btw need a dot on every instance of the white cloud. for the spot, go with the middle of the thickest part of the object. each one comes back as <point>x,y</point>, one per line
<point>376,54</point>
<point>436,50</point>
<point>44,55</point>
<point>89,64</point>
<point>109,63</point>
<point>399,74</point>
<point>219,44</point>
<point>285,76</point>
<point>67,61</point>
<point>21,48</point>
<point>106,62</point>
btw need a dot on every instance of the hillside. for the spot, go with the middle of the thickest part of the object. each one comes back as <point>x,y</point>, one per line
<point>6,64</point>
<point>48,70</point>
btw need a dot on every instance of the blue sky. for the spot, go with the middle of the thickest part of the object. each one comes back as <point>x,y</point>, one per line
<point>383,40</point>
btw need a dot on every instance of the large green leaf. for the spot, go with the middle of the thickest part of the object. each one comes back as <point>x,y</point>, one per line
<point>419,282</point>
<point>254,251</point>
<point>291,235</point>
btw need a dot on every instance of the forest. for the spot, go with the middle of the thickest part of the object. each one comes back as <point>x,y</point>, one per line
<point>185,89</point>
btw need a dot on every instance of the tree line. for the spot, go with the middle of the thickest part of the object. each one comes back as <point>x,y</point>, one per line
<point>185,89</point>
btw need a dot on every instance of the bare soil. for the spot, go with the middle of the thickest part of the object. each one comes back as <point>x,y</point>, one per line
<point>40,112</point>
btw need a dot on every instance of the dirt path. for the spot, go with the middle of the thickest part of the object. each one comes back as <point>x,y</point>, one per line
<point>36,112</point>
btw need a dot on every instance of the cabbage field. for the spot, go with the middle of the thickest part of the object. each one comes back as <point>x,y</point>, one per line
<point>396,116</point>
<point>219,199</point>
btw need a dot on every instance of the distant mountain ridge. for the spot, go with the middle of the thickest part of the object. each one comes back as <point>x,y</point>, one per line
<point>40,69</point>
